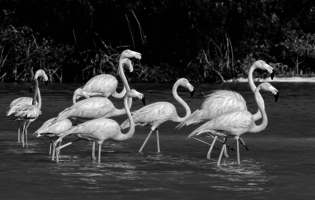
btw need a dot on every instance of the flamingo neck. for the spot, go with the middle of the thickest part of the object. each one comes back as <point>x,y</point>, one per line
<point>253,87</point>
<point>261,108</point>
<point>251,78</point>
<point>122,111</point>
<point>37,96</point>
<point>180,101</point>
<point>125,136</point>
<point>124,62</point>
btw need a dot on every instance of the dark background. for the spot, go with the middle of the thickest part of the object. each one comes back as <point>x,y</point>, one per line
<point>205,40</point>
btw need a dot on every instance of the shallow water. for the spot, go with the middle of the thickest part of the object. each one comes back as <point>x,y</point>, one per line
<point>279,165</point>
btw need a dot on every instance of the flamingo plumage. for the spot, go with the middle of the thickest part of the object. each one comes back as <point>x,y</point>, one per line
<point>27,109</point>
<point>237,123</point>
<point>157,113</point>
<point>224,101</point>
<point>96,107</point>
<point>106,84</point>
<point>101,129</point>
<point>52,129</point>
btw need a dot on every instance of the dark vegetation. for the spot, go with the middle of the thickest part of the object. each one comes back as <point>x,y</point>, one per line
<point>204,40</point>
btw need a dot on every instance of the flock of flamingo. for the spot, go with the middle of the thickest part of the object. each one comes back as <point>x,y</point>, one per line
<point>224,113</point>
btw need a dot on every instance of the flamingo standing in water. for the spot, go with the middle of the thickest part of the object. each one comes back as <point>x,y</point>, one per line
<point>96,107</point>
<point>157,113</point>
<point>106,84</point>
<point>225,101</point>
<point>101,129</point>
<point>52,129</point>
<point>237,123</point>
<point>27,109</point>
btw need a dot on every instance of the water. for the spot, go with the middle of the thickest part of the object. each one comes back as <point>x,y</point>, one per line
<point>279,165</point>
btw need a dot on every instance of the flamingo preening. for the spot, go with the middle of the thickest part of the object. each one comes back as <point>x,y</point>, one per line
<point>157,113</point>
<point>27,109</point>
<point>96,107</point>
<point>106,84</point>
<point>52,129</point>
<point>101,129</point>
<point>235,124</point>
<point>224,101</point>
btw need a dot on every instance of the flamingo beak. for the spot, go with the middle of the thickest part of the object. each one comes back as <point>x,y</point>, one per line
<point>276,96</point>
<point>192,93</point>
<point>143,100</point>
<point>272,75</point>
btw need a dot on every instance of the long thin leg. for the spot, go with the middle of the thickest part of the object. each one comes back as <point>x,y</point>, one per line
<point>211,147</point>
<point>99,152</point>
<point>58,149</point>
<point>244,144</point>
<point>145,141</point>
<point>50,147</point>
<point>93,151</point>
<point>158,141</point>
<point>226,148</point>
<point>28,122</point>
<point>19,134</point>
<point>221,154</point>
<point>23,134</point>
<point>238,150</point>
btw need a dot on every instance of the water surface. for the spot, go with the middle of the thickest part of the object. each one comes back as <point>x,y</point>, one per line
<point>279,165</point>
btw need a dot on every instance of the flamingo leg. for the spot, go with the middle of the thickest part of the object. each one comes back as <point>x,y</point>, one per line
<point>59,140</point>
<point>226,149</point>
<point>23,134</point>
<point>238,150</point>
<point>50,148</point>
<point>158,140</point>
<point>99,152</point>
<point>19,134</point>
<point>145,141</point>
<point>211,147</point>
<point>28,122</point>
<point>93,151</point>
<point>243,144</point>
<point>58,149</point>
<point>221,154</point>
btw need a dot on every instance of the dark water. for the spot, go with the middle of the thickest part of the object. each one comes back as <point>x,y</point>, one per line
<point>279,165</point>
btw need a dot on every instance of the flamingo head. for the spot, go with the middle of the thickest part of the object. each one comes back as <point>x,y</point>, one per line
<point>268,87</point>
<point>130,54</point>
<point>135,94</point>
<point>264,66</point>
<point>77,94</point>
<point>185,83</point>
<point>41,73</point>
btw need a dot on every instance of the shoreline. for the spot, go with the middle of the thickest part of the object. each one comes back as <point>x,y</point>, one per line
<point>295,79</point>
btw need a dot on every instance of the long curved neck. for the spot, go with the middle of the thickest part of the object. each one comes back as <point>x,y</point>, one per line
<point>251,78</point>
<point>124,136</point>
<point>261,107</point>
<point>123,111</point>
<point>37,96</point>
<point>182,102</point>
<point>124,62</point>
<point>253,87</point>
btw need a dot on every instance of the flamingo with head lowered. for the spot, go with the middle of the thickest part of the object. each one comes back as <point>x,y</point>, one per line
<point>157,113</point>
<point>52,129</point>
<point>96,107</point>
<point>27,109</point>
<point>235,124</point>
<point>106,84</point>
<point>225,101</point>
<point>101,129</point>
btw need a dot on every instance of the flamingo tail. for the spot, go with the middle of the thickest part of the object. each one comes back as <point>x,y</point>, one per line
<point>206,127</point>
<point>194,118</point>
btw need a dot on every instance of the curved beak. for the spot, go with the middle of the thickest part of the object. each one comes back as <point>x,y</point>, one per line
<point>272,75</point>
<point>143,100</point>
<point>192,93</point>
<point>276,96</point>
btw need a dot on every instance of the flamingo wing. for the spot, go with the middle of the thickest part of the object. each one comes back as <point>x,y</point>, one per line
<point>154,112</point>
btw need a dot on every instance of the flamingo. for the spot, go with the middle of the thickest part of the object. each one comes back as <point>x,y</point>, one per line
<point>224,101</point>
<point>235,124</point>
<point>96,107</point>
<point>157,113</point>
<point>106,84</point>
<point>101,129</point>
<point>27,109</point>
<point>52,129</point>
